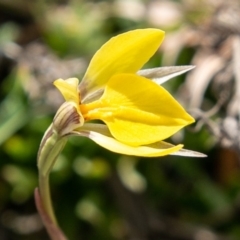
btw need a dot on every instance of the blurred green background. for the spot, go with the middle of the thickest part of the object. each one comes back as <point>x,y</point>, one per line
<point>98,194</point>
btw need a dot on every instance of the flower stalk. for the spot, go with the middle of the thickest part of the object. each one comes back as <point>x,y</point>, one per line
<point>53,142</point>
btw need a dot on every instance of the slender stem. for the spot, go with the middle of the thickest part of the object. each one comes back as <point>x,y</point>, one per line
<point>50,147</point>
<point>65,121</point>
<point>46,196</point>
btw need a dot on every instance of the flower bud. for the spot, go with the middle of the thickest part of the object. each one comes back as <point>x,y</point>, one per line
<point>67,118</point>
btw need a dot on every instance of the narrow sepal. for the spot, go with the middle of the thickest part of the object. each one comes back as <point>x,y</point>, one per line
<point>163,74</point>
<point>188,153</point>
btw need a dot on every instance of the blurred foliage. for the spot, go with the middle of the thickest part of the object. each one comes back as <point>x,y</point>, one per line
<point>98,194</point>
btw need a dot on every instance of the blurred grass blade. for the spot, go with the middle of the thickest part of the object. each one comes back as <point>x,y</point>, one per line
<point>14,110</point>
<point>13,116</point>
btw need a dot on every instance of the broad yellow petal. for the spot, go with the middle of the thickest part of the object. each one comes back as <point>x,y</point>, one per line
<point>69,89</point>
<point>125,53</point>
<point>101,135</point>
<point>138,111</point>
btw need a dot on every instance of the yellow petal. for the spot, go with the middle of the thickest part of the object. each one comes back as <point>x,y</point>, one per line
<point>125,53</point>
<point>138,111</point>
<point>69,89</point>
<point>100,134</point>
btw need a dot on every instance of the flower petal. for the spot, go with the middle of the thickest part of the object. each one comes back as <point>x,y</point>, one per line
<point>163,74</point>
<point>68,88</point>
<point>138,111</point>
<point>125,53</point>
<point>100,134</point>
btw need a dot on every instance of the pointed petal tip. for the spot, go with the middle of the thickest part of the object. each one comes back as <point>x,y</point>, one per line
<point>163,74</point>
<point>188,153</point>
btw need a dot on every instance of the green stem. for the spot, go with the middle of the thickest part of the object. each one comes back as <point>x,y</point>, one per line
<point>65,121</point>
<point>51,146</point>
<point>46,197</point>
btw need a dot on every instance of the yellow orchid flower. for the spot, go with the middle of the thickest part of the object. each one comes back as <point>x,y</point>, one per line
<point>138,113</point>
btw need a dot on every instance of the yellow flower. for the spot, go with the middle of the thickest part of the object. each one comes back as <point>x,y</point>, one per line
<point>136,113</point>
